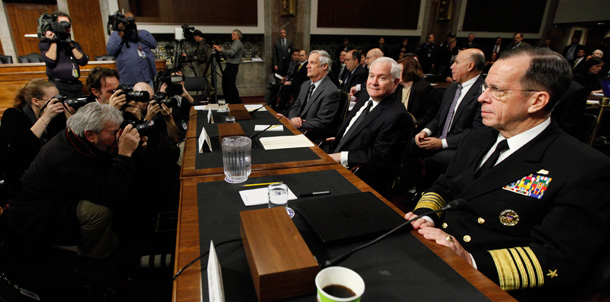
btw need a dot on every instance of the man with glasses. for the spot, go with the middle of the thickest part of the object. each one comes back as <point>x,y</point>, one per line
<point>536,218</point>
<point>459,113</point>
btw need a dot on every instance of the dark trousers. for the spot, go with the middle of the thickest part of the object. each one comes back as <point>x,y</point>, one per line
<point>435,163</point>
<point>72,90</point>
<point>229,88</point>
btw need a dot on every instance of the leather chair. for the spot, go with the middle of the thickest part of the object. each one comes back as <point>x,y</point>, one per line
<point>6,59</point>
<point>31,58</point>
<point>105,57</point>
<point>197,84</point>
<point>316,135</point>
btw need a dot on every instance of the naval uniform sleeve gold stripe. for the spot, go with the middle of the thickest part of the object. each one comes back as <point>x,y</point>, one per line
<point>518,268</point>
<point>528,265</point>
<point>432,201</point>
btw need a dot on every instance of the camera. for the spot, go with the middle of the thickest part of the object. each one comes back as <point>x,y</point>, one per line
<point>173,82</point>
<point>187,32</point>
<point>130,95</point>
<point>162,98</point>
<point>143,127</point>
<point>129,29</point>
<point>48,22</point>
<point>75,103</point>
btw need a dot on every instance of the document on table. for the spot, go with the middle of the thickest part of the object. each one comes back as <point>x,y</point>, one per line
<point>286,142</point>
<point>206,107</point>
<point>273,128</point>
<point>260,196</point>
<point>252,107</point>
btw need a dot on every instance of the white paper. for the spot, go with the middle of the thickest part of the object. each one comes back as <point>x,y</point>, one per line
<point>286,142</point>
<point>273,128</point>
<point>206,107</point>
<point>203,138</point>
<point>215,286</point>
<point>277,75</point>
<point>592,102</point>
<point>252,107</point>
<point>254,197</point>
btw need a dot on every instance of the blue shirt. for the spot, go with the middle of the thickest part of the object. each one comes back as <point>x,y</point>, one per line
<point>134,66</point>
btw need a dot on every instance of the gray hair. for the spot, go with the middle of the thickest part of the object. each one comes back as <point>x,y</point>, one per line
<point>93,117</point>
<point>324,58</point>
<point>395,71</point>
<point>238,32</point>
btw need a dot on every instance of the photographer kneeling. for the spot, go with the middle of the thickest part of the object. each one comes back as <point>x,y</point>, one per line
<point>71,188</point>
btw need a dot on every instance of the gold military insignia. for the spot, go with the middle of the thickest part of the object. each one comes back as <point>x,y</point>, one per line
<point>467,238</point>
<point>552,274</point>
<point>509,217</point>
<point>444,225</point>
<point>481,220</point>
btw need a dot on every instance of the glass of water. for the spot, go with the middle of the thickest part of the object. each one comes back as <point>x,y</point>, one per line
<point>222,105</point>
<point>278,195</point>
<point>236,158</point>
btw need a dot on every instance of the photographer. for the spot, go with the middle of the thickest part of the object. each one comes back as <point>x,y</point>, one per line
<point>35,118</point>
<point>132,49</point>
<point>62,56</point>
<point>233,57</point>
<point>74,184</point>
<point>103,85</point>
<point>157,111</point>
<point>204,54</point>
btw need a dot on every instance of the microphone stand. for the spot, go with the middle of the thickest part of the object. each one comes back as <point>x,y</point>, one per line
<point>452,206</point>
<point>283,115</point>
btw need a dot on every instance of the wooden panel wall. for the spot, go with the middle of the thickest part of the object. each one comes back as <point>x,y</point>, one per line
<point>23,19</point>
<point>87,26</point>
<point>194,12</point>
<point>523,16</point>
<point>402,14</point>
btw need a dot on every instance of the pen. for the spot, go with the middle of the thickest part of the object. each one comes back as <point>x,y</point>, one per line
<point>261,184</point>
<point>315,194</point>
<point>273,126</point>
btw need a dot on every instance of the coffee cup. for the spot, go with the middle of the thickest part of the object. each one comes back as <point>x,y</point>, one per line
<point>339,284</point>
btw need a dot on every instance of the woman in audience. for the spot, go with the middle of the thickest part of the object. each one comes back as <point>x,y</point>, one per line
<point>35,118</point>
<point>448,54</point>
<point>588,75</point>
<point>416,93</point>
<point>489,62</point>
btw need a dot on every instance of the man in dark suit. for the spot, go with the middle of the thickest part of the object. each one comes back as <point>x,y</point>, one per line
<point>496,48</point>
<point>376,131</point>
<point>459,113</point>
<point>281,53</point>
<point>354,74</point>
<point>469,43</point>
<point>338,70</point>
<point>318,101</point>
<point>536,215</point>
<point>294,79</point>
<point>518,42</point>
<point>569,52</point>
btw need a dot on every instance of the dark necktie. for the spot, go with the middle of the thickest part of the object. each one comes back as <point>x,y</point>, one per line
<point>491,161</point>
<point>309,93</point>
<point>447,124</point>
<point>359,120</point>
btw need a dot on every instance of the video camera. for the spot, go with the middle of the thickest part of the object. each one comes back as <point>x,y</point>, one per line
<point>143,127</point>
<point>48,22</point>
<point>129,29</point>
<point>130,95</point>
<point>75,103</point>
<point>187,32</point>
<point>173,82</point>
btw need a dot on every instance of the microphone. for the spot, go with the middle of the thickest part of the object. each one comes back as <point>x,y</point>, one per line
<point>283,115</point>
<point>451,206</point>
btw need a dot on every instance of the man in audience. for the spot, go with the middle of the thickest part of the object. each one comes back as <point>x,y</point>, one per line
<point>469,43</point>
<point>569,52</point>
<point>273,90</point>
<point>497,47</point>
<point>293,82</point>
<point>204,54</point>
<point>355,74</point>
<point>338,70</point>
<point>233,57</point>
<point>536,216</point>
<point>373,55</point>
<point>579,59</point>
<point>518,42</point>
<point>102,83</point>
<point>132,49</point>
<point>318,101</point>
<point>74,183</point>
<point>376,131</point>
<point>459,113</point>
<point>282,48</point>
<point>62,56</point>
<point>427,53</point>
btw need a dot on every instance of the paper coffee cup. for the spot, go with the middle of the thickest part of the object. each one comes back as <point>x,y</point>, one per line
<point>342,279</point>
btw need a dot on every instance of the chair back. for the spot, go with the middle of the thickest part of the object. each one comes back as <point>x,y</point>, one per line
<point>105,57</point>
<point>31,58</point>
<point>586,127</point>
<point>343,108</point>
<point>6,59</point>
<point>197,84</point>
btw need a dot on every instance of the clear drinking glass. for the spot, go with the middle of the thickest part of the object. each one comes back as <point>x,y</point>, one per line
<point>229,119</point>
<point>222,105</point>
<point>278,195</point>
<point>236,158</point>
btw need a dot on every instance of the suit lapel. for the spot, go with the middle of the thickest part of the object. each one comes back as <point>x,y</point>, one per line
<point>367,120</point>
<point>468,98</point>
<point>444,110</point>
<point>527,160</point>
<point>315,95</point>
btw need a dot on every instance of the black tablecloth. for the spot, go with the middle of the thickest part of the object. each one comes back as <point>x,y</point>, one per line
<point>259,154</point>
<point>398,268</point>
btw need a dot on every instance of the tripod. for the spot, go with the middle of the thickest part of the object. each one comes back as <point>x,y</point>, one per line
<point>213,66</point>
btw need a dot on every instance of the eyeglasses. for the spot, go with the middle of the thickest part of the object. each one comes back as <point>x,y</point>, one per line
<point>498,93</point>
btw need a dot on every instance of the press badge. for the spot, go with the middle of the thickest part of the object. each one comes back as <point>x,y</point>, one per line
<point>141,54</point>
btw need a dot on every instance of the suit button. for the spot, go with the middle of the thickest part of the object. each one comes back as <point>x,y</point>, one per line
<point>467,238</point>
<point>444,225</point>
<point>481,220</point>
